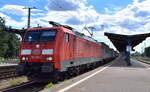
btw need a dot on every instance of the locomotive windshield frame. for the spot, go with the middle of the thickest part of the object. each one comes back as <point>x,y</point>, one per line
<point>40,36</point>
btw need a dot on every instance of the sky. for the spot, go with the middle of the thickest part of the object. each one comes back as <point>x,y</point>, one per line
<point>114,16</point>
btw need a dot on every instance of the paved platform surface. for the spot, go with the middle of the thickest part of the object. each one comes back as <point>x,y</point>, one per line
<point>6,64</point>
<point>9,62</point>
<point>114,77</point>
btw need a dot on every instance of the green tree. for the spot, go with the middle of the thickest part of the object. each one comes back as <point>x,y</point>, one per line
<point>147,51</point>
<point>9,42</point>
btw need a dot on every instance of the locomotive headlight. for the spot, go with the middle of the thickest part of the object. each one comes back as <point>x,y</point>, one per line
<point>49,58</point>
<point>47,51</point>
<point>26,52</point>
<point>25,58</point>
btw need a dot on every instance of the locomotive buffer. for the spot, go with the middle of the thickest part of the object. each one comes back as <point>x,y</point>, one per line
<point>125,43</point>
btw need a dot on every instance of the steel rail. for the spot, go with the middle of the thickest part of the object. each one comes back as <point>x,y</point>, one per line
<point>30,86</point>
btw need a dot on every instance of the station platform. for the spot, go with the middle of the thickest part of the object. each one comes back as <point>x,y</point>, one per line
<point>113,77</point>
<point>2,64</point>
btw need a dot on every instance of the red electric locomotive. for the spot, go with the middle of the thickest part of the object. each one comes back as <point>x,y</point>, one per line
<point>51,52</point>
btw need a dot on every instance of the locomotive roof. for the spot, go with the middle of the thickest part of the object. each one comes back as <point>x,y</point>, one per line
<point>69,30</point>
<point>55,24</point>
<point>85,37</point>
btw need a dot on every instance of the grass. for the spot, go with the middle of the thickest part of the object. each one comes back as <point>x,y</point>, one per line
<point>145,61</point>
<point>2,59</point>
<point>142,59</point>
<point>17,81</point>
<point>49,85</point>
<point>5,59</point>
<point>12,82</point>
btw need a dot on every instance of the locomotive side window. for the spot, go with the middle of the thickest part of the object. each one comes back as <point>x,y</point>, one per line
<point>40,36</point>
<point>67,37</point>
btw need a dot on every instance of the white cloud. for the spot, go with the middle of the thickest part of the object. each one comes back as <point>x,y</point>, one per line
<point>22,14</point>
<point>65,5</point>
<point>13,23</point>
<point>19,10</point>
<point>14,9</point>
<point>133,18</point>
<point>72,12</point>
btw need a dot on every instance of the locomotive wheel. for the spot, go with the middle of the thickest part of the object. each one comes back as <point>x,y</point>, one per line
<point>77,70</point>
<point>71,72</point>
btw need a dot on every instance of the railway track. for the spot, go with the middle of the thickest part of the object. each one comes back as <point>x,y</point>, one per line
<point>31,86</point>
<point>26,87</point>
<point>5,75</point>
<point>7,72</point>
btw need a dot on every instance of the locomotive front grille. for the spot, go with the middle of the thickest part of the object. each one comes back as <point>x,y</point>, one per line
<point>36,52</point>
<point>35,67</point>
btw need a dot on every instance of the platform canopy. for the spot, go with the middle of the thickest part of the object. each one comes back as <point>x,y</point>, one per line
<point>122,41</point>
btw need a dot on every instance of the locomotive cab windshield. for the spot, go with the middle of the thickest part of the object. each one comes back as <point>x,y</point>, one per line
<point>40,36</point>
